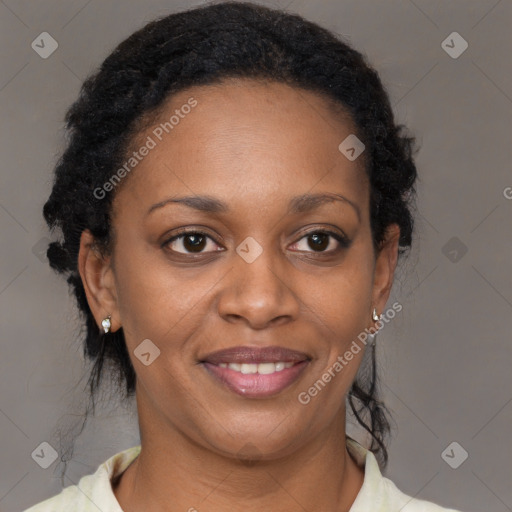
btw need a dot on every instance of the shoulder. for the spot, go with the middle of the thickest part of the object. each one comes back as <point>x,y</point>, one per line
<point>68,498</point>
<point>400,501</point>
<point>93,492</point>
<point>380,494</point>
<point>71,497</point>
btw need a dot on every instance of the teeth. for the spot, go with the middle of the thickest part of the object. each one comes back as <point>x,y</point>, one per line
<point>261,368</point>
<point>249,368</point>
<point>266,368</point>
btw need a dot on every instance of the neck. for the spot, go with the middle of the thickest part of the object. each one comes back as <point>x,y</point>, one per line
<point>180,474</point>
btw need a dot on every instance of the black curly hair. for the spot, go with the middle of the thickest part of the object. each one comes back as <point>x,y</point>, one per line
<point>203,46</point>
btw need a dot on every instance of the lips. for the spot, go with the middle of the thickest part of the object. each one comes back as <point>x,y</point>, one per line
<point>256,372</point>
<point>255,355</point>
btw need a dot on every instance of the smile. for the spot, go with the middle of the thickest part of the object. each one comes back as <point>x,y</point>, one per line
<point>261,368</point>
<point>260,380</point>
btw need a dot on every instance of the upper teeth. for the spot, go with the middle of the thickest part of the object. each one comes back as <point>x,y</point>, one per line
<point>262,368</point>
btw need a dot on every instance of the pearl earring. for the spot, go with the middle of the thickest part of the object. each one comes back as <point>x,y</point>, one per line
<point>106,324</point>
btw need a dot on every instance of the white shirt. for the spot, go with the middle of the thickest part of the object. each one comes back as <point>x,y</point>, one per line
<point>94,492</point>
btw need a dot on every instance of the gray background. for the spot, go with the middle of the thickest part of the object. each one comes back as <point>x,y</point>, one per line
<point>444,360</point>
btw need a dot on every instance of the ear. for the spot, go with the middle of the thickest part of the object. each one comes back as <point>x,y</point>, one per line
<point>385,265</point>
<point>98,281</point>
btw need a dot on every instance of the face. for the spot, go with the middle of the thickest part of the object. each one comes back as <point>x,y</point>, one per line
<point>259,266</point>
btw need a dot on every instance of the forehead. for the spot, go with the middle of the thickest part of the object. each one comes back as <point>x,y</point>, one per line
<point>247,142</point>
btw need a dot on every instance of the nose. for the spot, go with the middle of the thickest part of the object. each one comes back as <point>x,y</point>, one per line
<point>260,293</point>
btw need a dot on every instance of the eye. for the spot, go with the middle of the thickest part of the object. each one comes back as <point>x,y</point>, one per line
<point>189,242</point>
<point>320,241</point>
<point>195,242</point>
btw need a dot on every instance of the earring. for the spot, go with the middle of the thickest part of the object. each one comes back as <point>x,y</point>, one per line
<point>106,324</point>
<point>375,316</point>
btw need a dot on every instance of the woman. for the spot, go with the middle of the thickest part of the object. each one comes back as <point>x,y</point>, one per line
<point>233,202</point>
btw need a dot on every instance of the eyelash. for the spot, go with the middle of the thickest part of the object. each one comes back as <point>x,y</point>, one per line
<point>342,240</point>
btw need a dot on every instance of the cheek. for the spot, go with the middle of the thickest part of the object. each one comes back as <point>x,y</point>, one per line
<point>342,297</point>
<point>341,306</point>
<point>158,301</point>
<point>144,292</point>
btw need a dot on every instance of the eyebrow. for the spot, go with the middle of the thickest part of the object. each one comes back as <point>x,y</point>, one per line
<point>299,204</point>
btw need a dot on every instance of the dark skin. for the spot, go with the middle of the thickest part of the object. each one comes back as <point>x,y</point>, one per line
<point>254,146</point>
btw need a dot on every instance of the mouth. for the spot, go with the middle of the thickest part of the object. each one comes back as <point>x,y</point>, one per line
<point>256,372</point>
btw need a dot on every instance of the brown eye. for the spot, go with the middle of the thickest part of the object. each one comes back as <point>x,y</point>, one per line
<point>189,242</point>
<point>320,241</point>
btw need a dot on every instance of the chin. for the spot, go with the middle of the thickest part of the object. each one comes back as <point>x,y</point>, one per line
<point>266,438</point>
